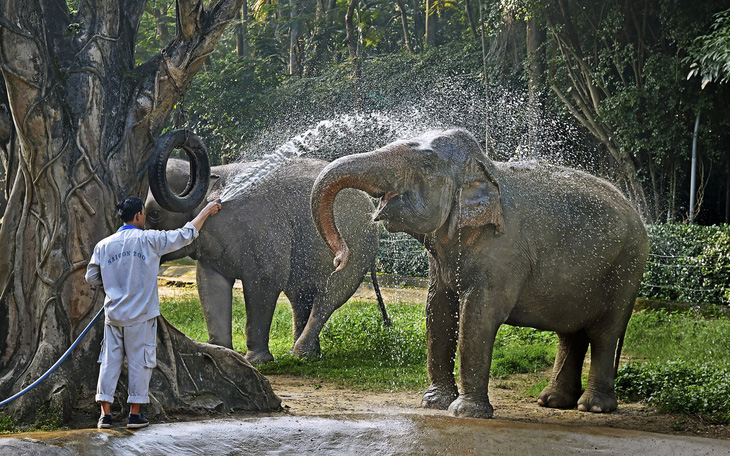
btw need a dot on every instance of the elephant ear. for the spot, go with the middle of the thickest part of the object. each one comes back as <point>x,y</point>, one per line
<point>479,203</point>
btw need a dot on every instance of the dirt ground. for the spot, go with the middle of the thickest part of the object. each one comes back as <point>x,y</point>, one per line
<point>312,397</point>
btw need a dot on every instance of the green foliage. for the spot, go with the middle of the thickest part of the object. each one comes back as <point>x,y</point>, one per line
<point>710,56</point>
<point>665,336</point>
<point>686,363</point>
<point>678,387</point>
<point>358,350</point>
<point>522,350</point>
<point>689,263</point>
<point>8,424</point>
<point>48,418</point>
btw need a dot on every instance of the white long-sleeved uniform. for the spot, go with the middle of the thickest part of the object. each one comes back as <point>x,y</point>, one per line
<point>126,265</point>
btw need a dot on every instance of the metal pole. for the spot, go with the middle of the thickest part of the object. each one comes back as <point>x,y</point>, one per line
<point>693,178</point>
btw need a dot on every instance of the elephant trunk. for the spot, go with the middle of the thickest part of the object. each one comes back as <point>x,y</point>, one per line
<point>361,172</point>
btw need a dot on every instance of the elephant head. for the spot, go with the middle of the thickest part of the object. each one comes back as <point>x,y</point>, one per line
<point>438,181</point>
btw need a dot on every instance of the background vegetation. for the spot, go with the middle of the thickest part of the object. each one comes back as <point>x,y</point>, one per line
<point>615,87</point>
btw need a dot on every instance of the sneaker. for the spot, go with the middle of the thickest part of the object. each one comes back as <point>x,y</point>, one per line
<point>137,421</point>
<point>105,421</point>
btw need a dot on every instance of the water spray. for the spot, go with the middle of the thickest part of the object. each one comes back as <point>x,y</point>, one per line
<point>311,141</point>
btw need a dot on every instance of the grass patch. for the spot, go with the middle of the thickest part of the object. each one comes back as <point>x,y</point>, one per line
<point>683,363</point>
<point>357,349</point>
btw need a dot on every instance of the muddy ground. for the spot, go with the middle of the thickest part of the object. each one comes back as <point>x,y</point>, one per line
<point>313,397</point>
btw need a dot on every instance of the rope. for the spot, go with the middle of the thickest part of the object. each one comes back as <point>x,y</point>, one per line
<point>58,363</point>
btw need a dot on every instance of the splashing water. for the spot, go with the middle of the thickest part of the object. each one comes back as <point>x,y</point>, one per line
<point>325,132</point>
<point>517,130</point>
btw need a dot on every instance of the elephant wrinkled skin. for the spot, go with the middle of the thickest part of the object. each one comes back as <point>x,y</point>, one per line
<point>522,243</point>
<point>266,238</point>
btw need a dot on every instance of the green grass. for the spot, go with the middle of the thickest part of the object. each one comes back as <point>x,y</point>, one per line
<point>681,365</point>
<point>358,350</point>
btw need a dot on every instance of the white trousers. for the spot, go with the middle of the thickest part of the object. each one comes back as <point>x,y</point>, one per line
<point>139,344</point>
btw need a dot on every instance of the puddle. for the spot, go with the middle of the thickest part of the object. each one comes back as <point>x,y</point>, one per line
<point>367,434</point>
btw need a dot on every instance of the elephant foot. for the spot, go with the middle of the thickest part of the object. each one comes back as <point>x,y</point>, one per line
<point>307,350</point>
<point>554,397</point>
<point>258,356</point>
<point>472,407</point>
<point>439,398</point>
<point>598,402</point>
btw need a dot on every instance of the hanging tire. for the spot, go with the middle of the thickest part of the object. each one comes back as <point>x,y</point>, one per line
<point>197,186</point>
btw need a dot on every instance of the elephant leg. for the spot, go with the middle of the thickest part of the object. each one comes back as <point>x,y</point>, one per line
<point>442,332</point>
<point>301,304</point>
<point>599,396</point>
<point>216,298</point>
<point>260,297</point>
<point>482,313</point>
<point>565,386</point>
<point>307,345</point>
<point>606,336</point>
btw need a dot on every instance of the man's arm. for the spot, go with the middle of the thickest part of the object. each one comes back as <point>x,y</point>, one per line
<point>93,271</point>
<point>211,208</point>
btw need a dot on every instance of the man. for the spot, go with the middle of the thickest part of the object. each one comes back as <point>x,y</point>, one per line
<point>126,265</point>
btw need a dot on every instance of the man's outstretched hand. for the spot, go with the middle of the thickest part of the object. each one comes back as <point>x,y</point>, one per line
<point>210,209</point>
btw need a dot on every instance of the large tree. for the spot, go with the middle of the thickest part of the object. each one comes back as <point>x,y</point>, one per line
<point>84,119</point>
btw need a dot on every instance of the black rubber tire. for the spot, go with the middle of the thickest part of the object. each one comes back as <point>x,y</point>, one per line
<point>197,186</point>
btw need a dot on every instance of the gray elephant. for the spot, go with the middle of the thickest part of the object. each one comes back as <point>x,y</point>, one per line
<point>523,243</point>
<point>266,238</point>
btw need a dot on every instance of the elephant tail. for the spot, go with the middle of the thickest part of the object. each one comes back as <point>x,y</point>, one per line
<point>376,287</point>
<point>617,355</point>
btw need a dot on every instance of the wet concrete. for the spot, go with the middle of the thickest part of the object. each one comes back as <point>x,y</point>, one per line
<point>365,434</point>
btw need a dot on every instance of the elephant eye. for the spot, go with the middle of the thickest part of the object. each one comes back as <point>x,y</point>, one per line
<point>154,215</point>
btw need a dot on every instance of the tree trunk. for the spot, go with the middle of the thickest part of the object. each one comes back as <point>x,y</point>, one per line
<point>295,40</point>
<point>242,31</point>
<point>727,188</point>
<point>470,19</point>
<point>419,23</point>
<point>352,44</point>
<point>536,37</point>
<point>160,16</point>
<point>85,119</point>
<point>431,22</point>
<point>583,98</point>
<point>404,21</point>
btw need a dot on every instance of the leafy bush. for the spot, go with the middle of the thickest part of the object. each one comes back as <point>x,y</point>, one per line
<point>678,387</point>
<point>687,368</point>
<point>688,263</point>
<point>8,424</point>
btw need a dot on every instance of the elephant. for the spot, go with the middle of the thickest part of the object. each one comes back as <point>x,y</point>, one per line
<point>522,243</point>
<point>267,239</point>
